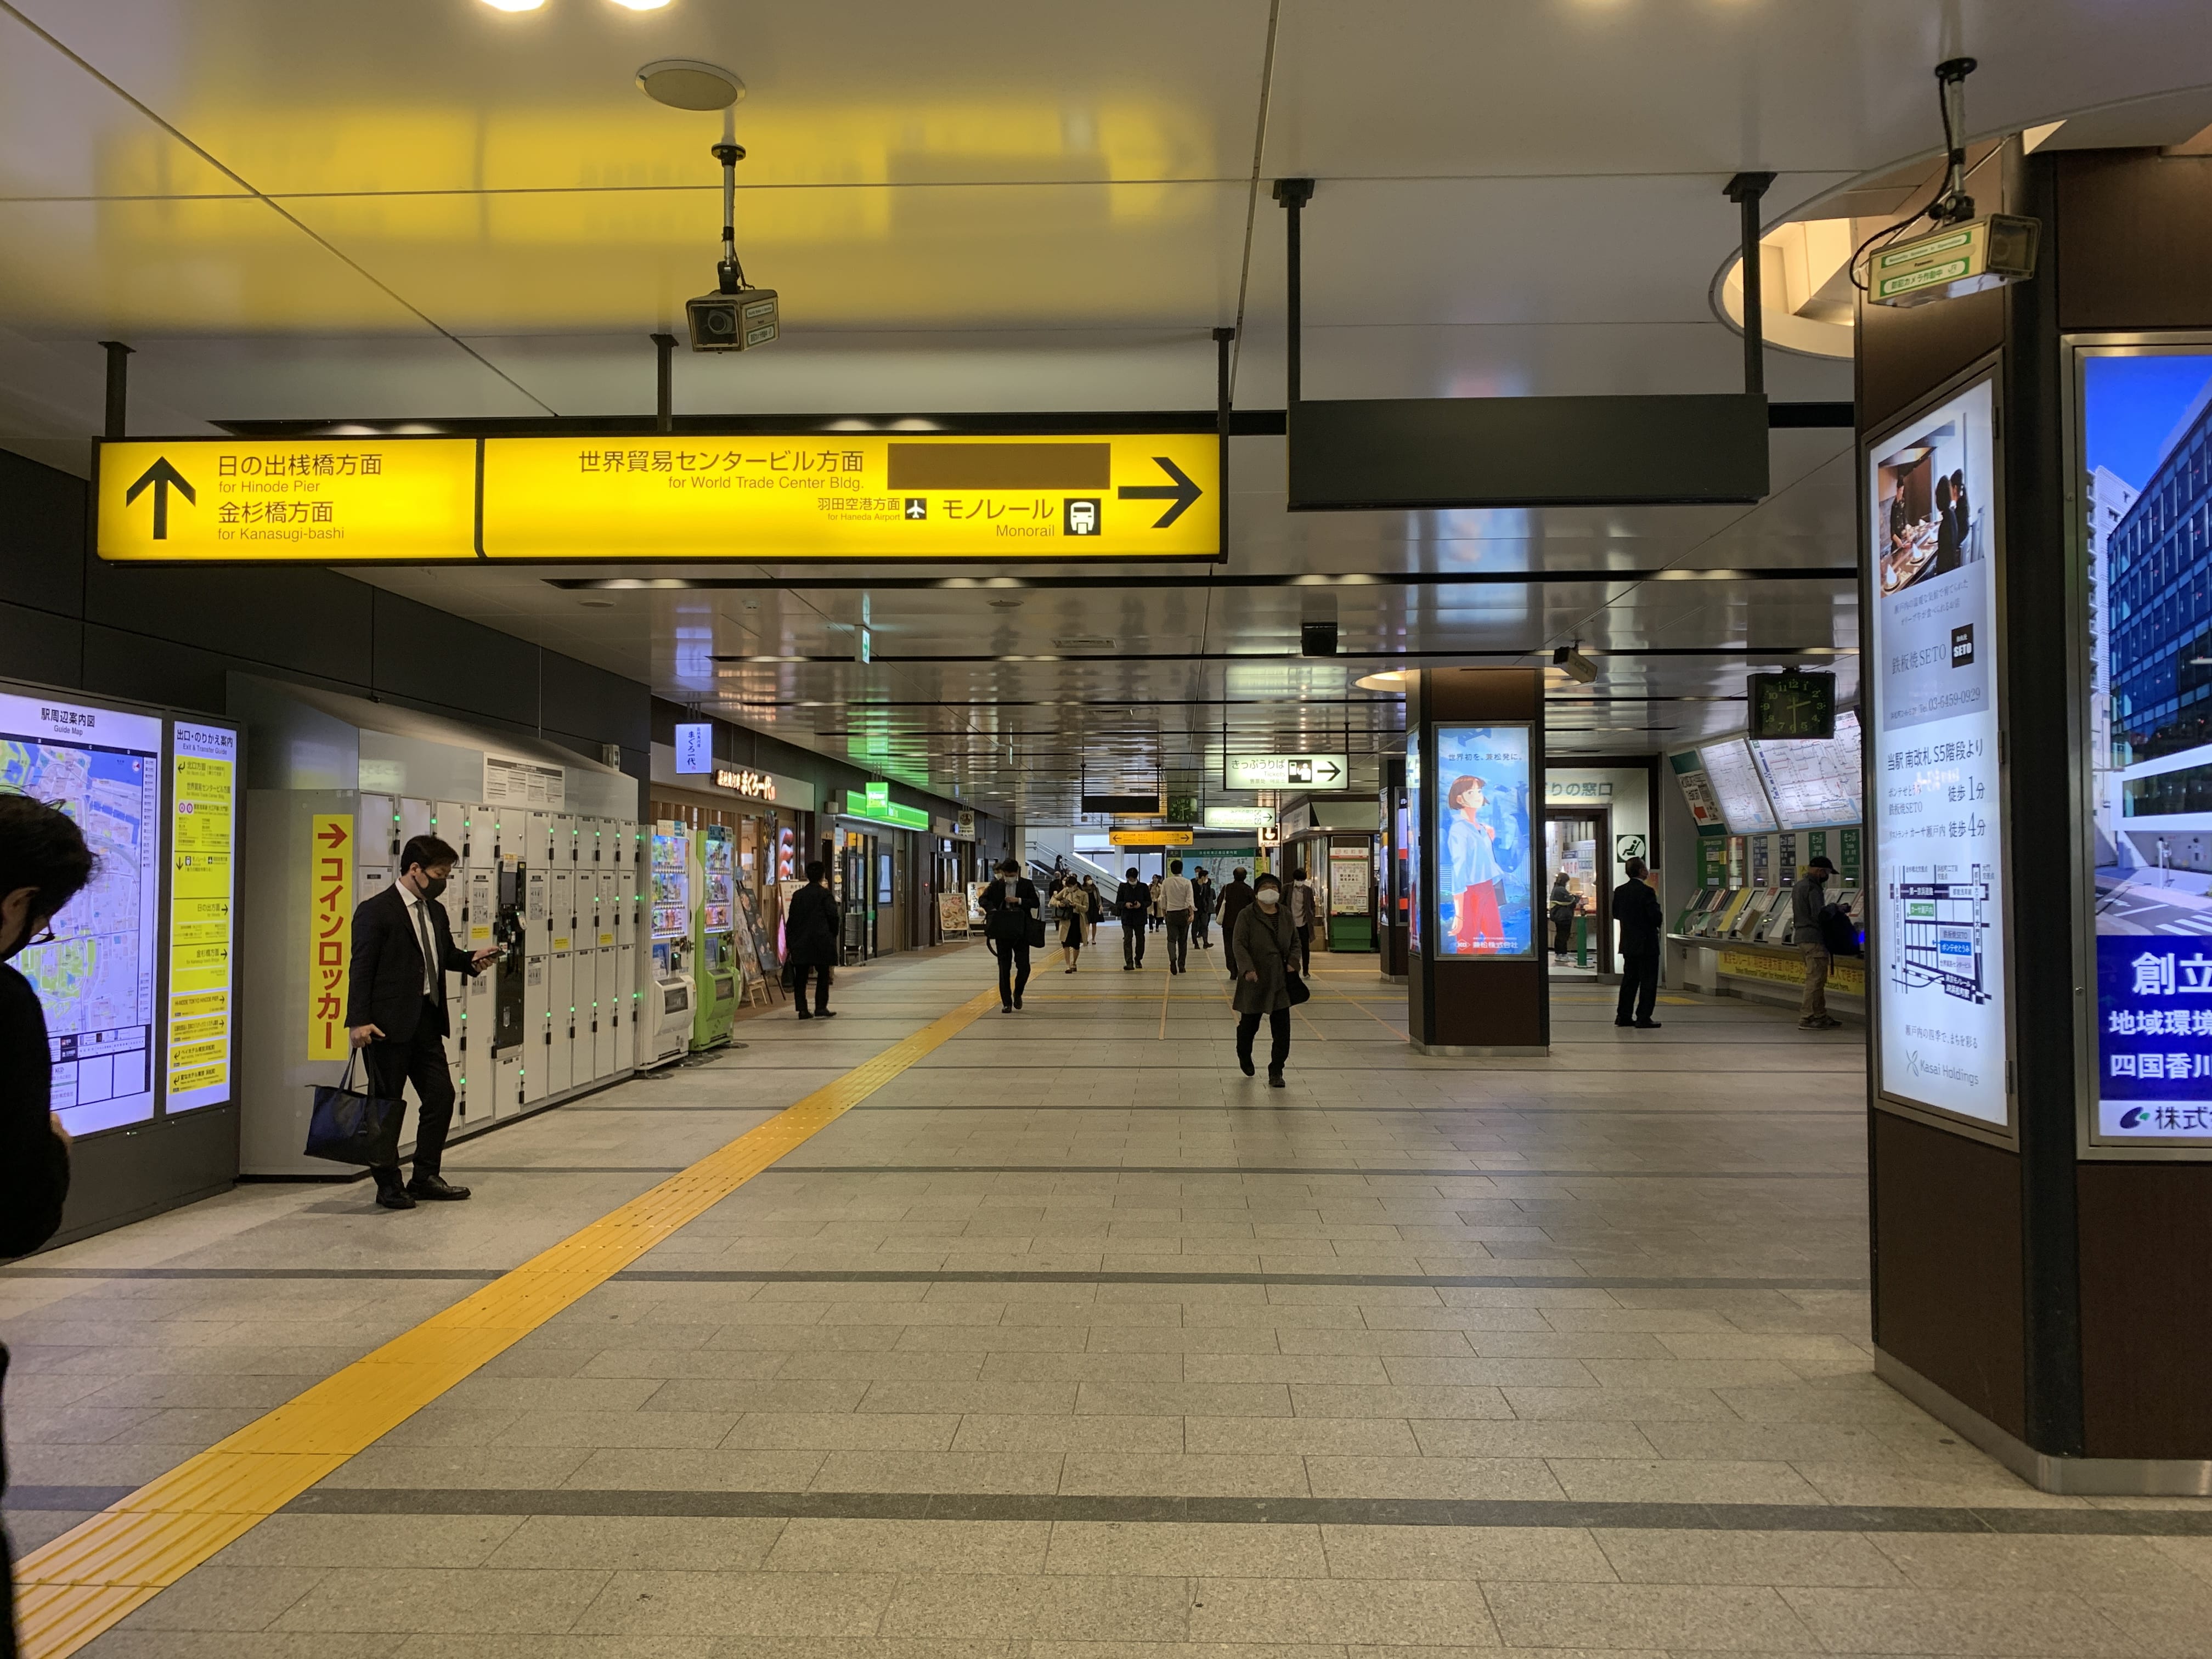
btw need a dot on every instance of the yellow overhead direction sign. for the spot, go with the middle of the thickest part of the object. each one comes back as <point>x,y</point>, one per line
<point>1149,837</point>
<point>662,498</point>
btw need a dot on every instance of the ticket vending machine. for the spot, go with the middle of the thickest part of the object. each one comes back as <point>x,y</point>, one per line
<point>671,997</point>
<point>715,970</point>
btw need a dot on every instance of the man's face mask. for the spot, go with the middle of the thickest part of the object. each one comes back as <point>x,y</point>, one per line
<point>432,885</point>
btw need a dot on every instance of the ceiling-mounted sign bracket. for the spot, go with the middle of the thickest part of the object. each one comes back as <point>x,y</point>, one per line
<point>1415,453</point>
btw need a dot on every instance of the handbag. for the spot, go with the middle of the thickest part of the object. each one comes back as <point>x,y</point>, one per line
<point>1037,930</point>
<point>1295,986</point>
<point>348,1126</point>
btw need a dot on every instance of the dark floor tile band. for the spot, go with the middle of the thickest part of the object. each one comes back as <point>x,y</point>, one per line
<point>1265,1108</point>
<point>1295,1170</point>
<point>68,1499</point>
<point>1247,1511</point>
<point>566,1169</point>
<point>473,1275</point>
<point>1402,1281</point>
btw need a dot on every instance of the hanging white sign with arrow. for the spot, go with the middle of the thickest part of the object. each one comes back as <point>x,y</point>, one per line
<point>1286,771</point>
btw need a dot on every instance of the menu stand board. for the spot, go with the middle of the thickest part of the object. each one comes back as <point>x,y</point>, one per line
<point>952,915</point>
<point>766,957</point>
<point>1937,937</point>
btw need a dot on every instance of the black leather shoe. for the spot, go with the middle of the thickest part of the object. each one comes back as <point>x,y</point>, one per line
<point>394,1198</point>
<point>436,1186</point>
<point>1245,1060</point>
<point>1624,1022</point>
<point>803,1014</point>
<point>1647,1024</point>
<point>825,1014</point>
<point>1275,1081</point>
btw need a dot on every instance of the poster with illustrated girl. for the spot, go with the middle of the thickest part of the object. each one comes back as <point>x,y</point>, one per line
<point>1481,792</point>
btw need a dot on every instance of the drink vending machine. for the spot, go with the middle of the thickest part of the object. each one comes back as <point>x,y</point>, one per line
<point>716,972</point>
<point>672,998</point>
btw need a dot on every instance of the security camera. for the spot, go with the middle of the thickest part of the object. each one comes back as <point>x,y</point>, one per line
<point>1575,666</point>
<point>732,322</point>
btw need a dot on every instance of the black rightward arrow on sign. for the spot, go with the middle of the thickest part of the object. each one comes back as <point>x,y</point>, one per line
<point>1332,769</point>
<point>1183,492</point>
<point>162,477</point>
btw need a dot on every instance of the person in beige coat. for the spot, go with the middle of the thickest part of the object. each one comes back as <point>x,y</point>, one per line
<point>1266,946</point>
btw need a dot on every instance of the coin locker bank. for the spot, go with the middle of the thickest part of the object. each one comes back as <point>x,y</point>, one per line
<point>550,872</point>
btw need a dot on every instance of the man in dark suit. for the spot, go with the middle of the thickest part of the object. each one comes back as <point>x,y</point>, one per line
<point>1636,908</point>
<point>403,949</point>
<point>1010,906</point>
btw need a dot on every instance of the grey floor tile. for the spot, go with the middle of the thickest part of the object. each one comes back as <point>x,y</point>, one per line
<point>784,1606</point>
<point>1425,1613</point>
<point>443,1602</point>
<point>638,1543</point>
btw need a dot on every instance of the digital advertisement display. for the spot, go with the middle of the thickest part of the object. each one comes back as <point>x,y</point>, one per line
<point>1413,840</point>
<point>1734,777</point>
<point>202,893</point>
<point>1937,921</point>
<point>2145,430</point>
<point>1481,807</point>
<point>95,978</point>
<point>1814,783</point>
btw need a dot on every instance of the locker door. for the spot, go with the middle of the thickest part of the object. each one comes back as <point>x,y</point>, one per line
<point>561,1071</point>
<point>370,880</point>
<point>606,1042</point>
<point>458,1049</point>
<point>414,818</point>
<point>631,1051</point>
<point>538,1019</point>
<point>374,830</point>
<point>541,839</point>
<point>476,1028</point>
<point>588,1016</point>
<point>480,910</point>
<point>610,909</point>
<point>449,823</point>
<point>538,934</point>
<point>560,899</point>
<point>507,1083</point>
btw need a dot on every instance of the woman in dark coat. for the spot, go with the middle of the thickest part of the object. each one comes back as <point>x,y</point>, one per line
<point>1266,945</point>
<point>811,940</point>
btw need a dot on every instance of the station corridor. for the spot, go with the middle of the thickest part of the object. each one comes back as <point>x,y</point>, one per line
<point>1057,1337</point>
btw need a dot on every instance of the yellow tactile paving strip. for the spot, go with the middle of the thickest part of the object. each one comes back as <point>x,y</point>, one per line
<point>90,1577</point>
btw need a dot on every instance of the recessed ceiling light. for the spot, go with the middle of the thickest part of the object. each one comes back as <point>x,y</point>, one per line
<point>514,5</point>
<point>686,84</point>
<point>597,604</point>
<point>642,5</point>
<point>1390,679</point>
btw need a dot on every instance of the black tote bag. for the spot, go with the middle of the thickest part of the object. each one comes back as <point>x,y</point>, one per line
<point>347,1126</point>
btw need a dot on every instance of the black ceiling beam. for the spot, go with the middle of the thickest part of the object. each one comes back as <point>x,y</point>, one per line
<point>813,584</point>
<point>1242,423</point>
<point>1107,659</point>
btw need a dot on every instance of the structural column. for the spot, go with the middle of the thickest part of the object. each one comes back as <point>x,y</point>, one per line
<point>1475,764</point>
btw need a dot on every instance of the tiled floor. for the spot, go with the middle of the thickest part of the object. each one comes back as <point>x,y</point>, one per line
<point>1072,1343</point>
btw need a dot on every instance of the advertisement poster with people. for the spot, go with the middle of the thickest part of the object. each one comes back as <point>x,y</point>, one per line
<point>1481,795</point>
<point>1937,921</point>
<point>2146,432</point>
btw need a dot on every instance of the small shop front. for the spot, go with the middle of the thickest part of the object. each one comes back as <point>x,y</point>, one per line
<point>763,822</point>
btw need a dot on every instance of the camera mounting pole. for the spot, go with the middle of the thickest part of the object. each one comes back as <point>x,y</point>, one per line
<point>1951,82</point>
<point>1745,190</point>
<point>730,274</point>
<point>664,402</point>
<point>1293,194</point>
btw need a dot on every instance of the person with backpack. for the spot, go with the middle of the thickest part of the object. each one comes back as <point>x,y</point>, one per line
<point>1807,899</point>
<point>1133,902</point>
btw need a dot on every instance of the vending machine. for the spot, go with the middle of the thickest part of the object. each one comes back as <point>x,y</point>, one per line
<point>715,970</point>
<point>673,999</point>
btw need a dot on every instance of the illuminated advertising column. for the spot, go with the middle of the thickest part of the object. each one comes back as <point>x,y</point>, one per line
<point>1476,981</point>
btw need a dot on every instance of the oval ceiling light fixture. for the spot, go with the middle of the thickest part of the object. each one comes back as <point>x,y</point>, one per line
<point>642,5</point>
<point>1390,679</point>
<point>686,83</point>
<point>514,5</point>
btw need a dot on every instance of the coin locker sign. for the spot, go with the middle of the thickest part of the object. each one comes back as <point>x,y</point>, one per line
<point>660,499</point>
<point>330,932</point>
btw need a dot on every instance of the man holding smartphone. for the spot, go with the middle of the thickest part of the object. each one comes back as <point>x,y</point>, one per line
<point>403,949</point>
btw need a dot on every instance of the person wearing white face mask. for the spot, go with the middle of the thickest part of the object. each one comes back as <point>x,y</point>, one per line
<point>1266,952</point>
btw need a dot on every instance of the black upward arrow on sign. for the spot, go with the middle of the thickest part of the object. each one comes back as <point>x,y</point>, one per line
<point>162,477</point>
<point>1183,492</point>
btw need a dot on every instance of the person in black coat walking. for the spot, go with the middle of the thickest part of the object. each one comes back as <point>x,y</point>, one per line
<point>1636,908</point>
<point>44,864</point>
<point>1132,903</point>
<point>1010,906</point>
<point>811,940</point>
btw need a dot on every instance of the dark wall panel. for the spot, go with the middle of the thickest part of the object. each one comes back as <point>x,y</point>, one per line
<point>42,536</point>
<point>2146,1310</point>
<point>580,700</point>
<point>433,657</point>
<point>1946,1263</point>
<point>285,621</point>
<point>2134,240</point>
<point>37,645</point>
